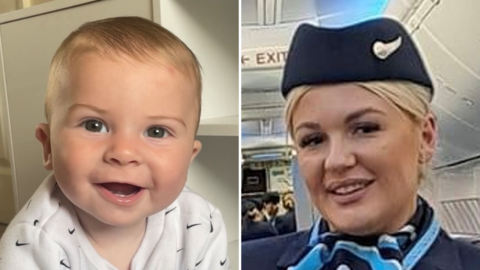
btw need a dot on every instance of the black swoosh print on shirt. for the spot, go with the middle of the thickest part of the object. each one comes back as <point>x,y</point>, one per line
<point>62,263</point>
<point>21,244</point>
<point>190,226</point>
<point>211,226</point>
<point>166,213</point>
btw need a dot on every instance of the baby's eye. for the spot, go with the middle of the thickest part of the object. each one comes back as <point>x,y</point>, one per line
<point>95,126</point>
<point>156,132</point>
<point>311,140</point>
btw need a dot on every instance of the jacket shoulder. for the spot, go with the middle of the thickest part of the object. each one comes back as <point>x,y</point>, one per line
<point>450,254</point>
<point>469,255</point>
<point>266,252</point>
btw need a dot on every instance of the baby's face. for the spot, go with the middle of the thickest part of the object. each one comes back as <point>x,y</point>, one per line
<point>122,148</point>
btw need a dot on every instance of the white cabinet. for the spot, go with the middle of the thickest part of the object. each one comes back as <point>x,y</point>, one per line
<point>210,30</point>
<point>219,126</point>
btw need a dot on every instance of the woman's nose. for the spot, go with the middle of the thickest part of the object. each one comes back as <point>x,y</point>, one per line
<point>339,156</point>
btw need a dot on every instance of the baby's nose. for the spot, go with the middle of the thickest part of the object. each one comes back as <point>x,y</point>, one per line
<point>123,151</point>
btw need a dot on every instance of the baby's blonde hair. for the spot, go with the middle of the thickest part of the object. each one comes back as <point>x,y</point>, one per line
<point>412,99</point>
<point>134,37</point>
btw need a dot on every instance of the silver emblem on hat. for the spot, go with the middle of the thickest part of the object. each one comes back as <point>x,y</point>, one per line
<point>383,50</point>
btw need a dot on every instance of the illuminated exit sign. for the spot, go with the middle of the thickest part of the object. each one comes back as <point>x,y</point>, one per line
<point>264,58</point>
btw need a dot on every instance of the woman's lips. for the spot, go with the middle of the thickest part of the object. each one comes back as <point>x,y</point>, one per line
<point>349,191</point>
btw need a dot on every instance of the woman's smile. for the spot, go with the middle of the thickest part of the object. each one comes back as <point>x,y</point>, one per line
<point>349,191</point>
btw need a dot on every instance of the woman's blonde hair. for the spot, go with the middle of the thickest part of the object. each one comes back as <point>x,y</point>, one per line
<point>134,37</point>
<point>412,99</point>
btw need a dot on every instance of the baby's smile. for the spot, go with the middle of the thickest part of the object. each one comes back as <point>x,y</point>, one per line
<point>122,194</point>
<point>122,190</point>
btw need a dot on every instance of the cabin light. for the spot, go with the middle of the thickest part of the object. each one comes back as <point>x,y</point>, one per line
<point>450,89</point>
<point>445,85</point>
<point>440,80</point>
<point>468,101</point>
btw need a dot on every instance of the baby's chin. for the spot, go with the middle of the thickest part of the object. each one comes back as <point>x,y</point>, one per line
<point>120,221</point>
<point>103,218</point>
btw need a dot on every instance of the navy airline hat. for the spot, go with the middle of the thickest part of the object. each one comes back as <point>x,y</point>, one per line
<point>376,50</point>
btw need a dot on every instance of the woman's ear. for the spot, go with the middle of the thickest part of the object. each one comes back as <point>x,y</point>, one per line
<point>42,133</point>
<point>428,139</point>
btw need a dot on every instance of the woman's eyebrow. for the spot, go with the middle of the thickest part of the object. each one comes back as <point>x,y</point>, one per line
<point>349,118</point>
<point>358,114</point>
<point>308,125</point>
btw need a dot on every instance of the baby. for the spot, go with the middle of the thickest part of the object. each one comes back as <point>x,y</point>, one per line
<point>122,108</point>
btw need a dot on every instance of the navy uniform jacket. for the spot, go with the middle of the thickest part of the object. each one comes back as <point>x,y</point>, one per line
<point>255,230</point>
<point>280,252</point>
<point>286,223</point>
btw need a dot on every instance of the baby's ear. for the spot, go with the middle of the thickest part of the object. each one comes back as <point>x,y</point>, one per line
<point>197,146</point>
<point>42,133</point>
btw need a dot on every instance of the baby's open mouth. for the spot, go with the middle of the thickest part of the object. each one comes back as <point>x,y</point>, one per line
<point>121,190</point>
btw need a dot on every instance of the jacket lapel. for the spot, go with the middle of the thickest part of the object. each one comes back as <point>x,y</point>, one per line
<point>294,251</point>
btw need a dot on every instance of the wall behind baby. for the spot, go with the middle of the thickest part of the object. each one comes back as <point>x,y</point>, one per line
<point>214,175</point>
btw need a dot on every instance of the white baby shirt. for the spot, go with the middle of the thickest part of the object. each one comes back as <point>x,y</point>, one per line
<point>46,234</point>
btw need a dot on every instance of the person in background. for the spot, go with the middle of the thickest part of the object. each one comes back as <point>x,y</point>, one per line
<point>244,209</point>
<point>358,111</point>
<point>287,222</point>
<point>270,203</point>
<point>254,225</point>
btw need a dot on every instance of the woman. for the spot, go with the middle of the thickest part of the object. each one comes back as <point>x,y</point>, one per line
<point>358,111</point>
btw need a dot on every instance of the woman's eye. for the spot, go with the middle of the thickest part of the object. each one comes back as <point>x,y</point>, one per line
<point>311,140</point>
<point>156,132</point>
<point>366,129</point>
<point>95,126</point>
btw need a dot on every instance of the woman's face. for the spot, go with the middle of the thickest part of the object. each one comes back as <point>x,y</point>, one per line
<point>360,158</point>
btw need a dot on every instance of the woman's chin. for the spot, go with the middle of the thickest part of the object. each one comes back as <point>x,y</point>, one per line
<point>358,229</point>
<point>358,221</point>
